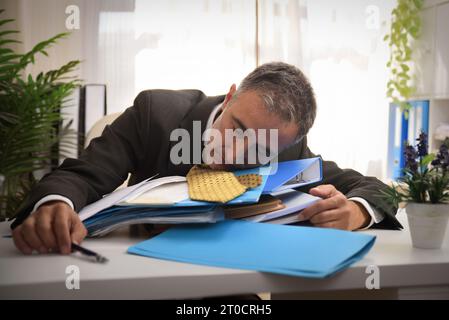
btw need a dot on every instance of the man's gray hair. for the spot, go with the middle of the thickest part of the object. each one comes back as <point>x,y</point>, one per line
<point>285,91</point>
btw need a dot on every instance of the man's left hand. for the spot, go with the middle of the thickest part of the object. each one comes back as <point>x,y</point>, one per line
<point>335,210</point>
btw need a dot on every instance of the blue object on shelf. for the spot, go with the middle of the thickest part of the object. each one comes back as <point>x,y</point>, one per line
<point>403,130</point>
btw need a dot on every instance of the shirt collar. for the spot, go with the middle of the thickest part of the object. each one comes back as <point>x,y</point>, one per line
<point>212,116</point>
<point>210,122</point>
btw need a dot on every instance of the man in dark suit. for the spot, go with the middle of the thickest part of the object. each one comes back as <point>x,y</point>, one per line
<point>274,96</point>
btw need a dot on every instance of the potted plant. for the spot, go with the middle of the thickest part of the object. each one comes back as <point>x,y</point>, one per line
<point>425,190</point>
<point>31,135</point>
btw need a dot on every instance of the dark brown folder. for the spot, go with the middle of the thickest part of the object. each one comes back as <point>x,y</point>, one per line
<point>266,204</point>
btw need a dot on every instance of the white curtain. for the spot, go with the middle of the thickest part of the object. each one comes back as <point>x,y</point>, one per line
<point>339,45</point>
<point>177,44</point>
<point>133,45</point>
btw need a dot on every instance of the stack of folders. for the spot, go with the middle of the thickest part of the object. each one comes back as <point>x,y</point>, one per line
<point>264,247</point>
<point>166,201</point>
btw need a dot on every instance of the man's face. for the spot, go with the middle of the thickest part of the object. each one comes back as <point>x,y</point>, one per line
<point>248,113</point>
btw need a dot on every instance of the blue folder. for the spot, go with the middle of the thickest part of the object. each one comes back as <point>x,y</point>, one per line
<point>292,174</point>
<point>114,217</point>
<point>120,213</point>
<point>289,250</point>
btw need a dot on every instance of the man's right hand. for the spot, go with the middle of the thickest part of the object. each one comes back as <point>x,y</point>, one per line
<point>52,227</point>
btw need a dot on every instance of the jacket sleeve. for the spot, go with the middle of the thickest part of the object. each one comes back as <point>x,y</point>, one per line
<point>102,167</point>
<point>353,184</point>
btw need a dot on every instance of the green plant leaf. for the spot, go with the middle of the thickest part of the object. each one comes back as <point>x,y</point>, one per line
<point>427,159</point>
<point>30,117</point>
<point>405,27</point>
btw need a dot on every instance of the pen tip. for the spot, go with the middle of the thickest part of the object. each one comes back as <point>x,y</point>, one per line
<point>102,259</point>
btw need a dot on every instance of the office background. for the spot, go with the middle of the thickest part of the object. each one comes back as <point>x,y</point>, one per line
<point>133,45</point>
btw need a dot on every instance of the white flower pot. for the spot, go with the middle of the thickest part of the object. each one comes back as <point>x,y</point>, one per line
<point>427,223</point>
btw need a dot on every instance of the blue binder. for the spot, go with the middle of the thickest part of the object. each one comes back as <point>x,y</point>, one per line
<point>294,174</point>
<point>402,130</point>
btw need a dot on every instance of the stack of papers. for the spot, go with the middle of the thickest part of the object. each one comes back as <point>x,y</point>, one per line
<point>115,217</point>
<point>163,201</point>
<point>166,200</point>
<point>293,201</point>
<point>290,250</point>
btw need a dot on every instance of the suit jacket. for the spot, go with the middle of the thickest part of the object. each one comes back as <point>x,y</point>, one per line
<point>138,142</point>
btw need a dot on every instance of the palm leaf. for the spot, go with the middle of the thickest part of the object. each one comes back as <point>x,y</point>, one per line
<point>30,117</point>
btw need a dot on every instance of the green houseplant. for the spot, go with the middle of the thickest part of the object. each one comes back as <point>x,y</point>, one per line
<point>31,132</point>
<point>405,28</point>
<point>425,190</point>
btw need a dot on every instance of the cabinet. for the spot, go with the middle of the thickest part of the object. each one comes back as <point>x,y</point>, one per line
<point>431,57</point>
<point>441,69</point>
<point>424,55</point>
<point>431,52</point>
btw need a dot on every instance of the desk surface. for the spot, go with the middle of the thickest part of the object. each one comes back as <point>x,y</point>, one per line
<point>133,277</point>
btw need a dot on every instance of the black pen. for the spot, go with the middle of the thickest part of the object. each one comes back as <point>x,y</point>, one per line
<point>98,257</point>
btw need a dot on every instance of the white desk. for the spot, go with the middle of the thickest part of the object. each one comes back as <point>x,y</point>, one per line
<point>404,271</point>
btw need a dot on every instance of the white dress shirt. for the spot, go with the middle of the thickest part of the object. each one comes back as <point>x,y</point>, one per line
<point>376,216</point>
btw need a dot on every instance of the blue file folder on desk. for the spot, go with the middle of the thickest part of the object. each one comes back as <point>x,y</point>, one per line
<point>289,250</point>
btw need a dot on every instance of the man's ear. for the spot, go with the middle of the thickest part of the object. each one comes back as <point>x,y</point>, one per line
<point>229,96</point>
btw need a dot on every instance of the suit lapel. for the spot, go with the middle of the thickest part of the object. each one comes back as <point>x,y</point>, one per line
<point>199,112</point>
